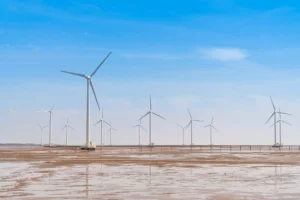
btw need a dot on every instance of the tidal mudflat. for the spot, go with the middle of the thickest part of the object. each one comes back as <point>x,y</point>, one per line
<point>59,173</point>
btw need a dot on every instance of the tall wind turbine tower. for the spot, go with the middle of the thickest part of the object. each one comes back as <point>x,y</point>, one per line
<point>42,127</point>
<point>66,127</point>
<point>88,78</point>
<point>140,126</point>
<point>191,124</point>
<point>50,124</point>
<point>182,133</point>
<point>211,126</point>
<point>150,112</point>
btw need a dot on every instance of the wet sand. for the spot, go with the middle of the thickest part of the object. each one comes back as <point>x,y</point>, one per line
<point>126,173</point>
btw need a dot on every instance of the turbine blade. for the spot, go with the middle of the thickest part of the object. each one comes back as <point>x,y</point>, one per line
<point>189,113</point>
<point>212,120</point>
<point>106,123</point>
<point>272,125</point>
<point>180,126</point>
<point>143,128</point>
<point>64,127</point>
<point>52,107</point>
<point>107,132</point>
<point>272,103</point>
<point>286,123</point>
<point>284,113</point>
<point>95,94</point>
<point>136,126</point>
<point>196,120</point>
<point>215,128</point>
<point>45,126</point>
<point>98,122</point>
<point>76,74</point>
<point>188,124</point>
<point>207,126</point>
<point>100,65</point>
<point>157,115</point>
<point>144,116</point>
<point>270,117</point>
<point>72,128</point>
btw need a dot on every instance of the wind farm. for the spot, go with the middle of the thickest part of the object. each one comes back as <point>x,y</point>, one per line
<point>149,100</point>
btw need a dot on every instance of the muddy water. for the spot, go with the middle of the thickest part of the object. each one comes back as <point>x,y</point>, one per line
<point>60,174</point>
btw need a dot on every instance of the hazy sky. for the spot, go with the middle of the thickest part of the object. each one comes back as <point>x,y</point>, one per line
<point>221,58</point>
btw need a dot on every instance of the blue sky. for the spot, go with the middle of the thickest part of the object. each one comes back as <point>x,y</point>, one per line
<point>217,57</point>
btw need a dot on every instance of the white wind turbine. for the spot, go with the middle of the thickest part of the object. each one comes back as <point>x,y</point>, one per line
<point>280,121</point>
<point>191,124</point>
<point>42,127</point>
<point>89,84</point>
<point>275,122</point>
<point>211,126</point>
<point>109,131</point>
<point>50,124</point>
<point>139,126</point>
<point>150,112</point>
<point>182,133</point>
<point>67,125</point>
<point>273,115</point>
<point>101,123</point>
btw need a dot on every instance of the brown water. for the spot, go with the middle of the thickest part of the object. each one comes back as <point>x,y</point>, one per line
<point>32,179</point>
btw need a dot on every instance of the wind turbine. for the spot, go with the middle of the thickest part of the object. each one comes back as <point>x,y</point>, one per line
<point>42,127</point>
<point>50,124</point>
<point>191,124</point>
<point>280,121</point>
<point>101,121</point>
<point>89,84</point>
<point>140,126</point>
<point>273,115</point>
<point>109,131</point>
<point>66,127</point>
<point>150,112</point>
<point>182,133</point>
<point>211,126</point>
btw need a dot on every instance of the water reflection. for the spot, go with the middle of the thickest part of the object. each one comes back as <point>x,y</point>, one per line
<point>87,181</point>
<point>150,174</point>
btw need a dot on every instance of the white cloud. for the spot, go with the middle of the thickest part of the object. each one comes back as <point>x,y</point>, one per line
<point>224,54</point>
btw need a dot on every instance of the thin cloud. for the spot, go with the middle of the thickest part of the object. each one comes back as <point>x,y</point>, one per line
<point>224,54</point>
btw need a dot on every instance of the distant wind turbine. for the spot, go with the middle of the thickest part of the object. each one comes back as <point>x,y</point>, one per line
<point>273,115</point>
<point>191,124</point>
<point>139,126</point>
<point>50,124</point>
<point>109,131</point>
<point>66,127</point>
<point>211,126</point>
<point>89,84</point>
<point>42,127</point>
<point>275,122</point>
<point>280,121</point>
<point>182,133</point>
<point>101,123</point>
<point>150,112</point>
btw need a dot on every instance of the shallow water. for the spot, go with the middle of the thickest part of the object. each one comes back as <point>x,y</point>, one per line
<point>149,182</point>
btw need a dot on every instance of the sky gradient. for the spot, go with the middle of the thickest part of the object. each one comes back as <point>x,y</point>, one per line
<point>220,58</point>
